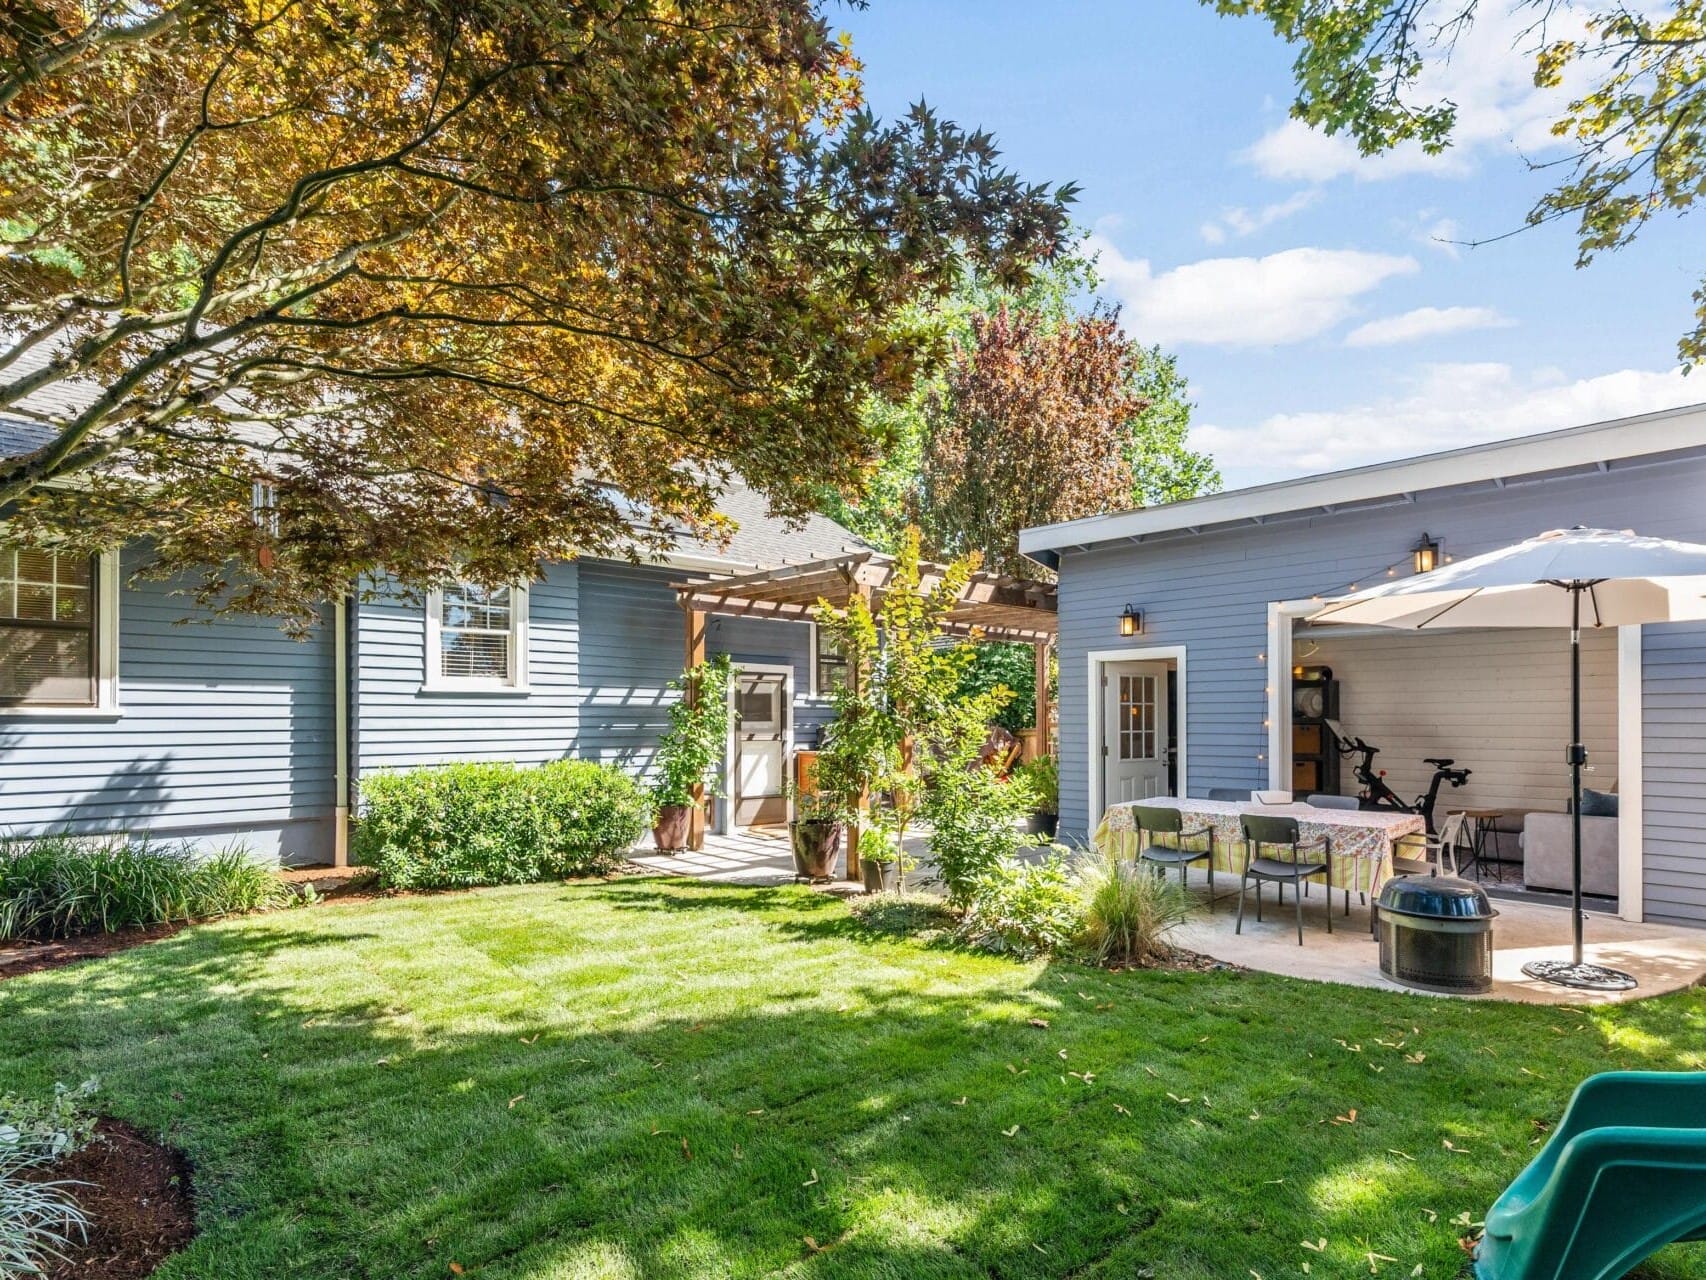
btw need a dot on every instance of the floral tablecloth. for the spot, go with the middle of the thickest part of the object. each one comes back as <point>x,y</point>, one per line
<point>1360,841</point>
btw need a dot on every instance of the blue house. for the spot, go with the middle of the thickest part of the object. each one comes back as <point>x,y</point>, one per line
<point>1187,662</point>
<point>124,711</point>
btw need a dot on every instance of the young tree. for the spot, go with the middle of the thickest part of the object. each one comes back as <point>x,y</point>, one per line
<point>1637,129</point>
<point>906,682</point>
<point>467,285</point>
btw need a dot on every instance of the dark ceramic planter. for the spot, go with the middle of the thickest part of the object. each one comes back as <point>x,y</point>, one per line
<point>816,842</point>
<point>670,829</point>
<point>879,877</point>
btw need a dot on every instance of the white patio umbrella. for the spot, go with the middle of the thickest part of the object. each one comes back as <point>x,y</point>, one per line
<point>1559,579</point>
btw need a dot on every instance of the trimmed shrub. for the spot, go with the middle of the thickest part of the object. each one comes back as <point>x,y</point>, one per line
<point>459,825</point>
<point>1024,909</point>
<point>59,886</point>
<point>1129,909</point>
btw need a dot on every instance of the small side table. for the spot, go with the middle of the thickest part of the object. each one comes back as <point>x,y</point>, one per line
<point>1484,821</point>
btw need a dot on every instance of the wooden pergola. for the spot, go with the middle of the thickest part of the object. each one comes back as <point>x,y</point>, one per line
<point>991,607</point>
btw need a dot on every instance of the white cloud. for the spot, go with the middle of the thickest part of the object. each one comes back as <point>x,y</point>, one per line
<point>1488,74</point>
<point>1424,322</point>
<point>1286,297</point>
<point>1241,221</point>
<point>1442,406</point>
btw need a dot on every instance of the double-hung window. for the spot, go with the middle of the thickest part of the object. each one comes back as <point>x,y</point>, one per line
<point>831,669</point>
<point>477,638</point>
<point>56,647</point>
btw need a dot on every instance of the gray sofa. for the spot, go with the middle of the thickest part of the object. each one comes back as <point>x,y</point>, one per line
<point>1546,853</point>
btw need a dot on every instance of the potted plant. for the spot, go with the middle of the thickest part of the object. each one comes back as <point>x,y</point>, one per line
<point>1041,779</point>
<point>690,750</point>
<point>815,834</point>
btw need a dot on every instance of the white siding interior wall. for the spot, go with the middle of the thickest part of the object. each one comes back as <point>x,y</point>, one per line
<point>1497,702</point>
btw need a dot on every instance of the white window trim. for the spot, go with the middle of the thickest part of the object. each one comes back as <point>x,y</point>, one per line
<point>435,681</point>
<point>106,705</point>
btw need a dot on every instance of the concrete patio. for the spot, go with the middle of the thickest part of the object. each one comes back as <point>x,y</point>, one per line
<point>1662,957</point>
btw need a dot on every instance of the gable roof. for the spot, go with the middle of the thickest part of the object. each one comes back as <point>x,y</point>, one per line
<point>764,541</point>
<point>1597,446</point>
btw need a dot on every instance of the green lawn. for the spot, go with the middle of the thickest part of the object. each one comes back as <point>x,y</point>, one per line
<point>653,1078</point>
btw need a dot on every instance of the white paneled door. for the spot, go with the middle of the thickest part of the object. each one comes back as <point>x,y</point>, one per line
<point>1134,728</point>
<point>762,703</point>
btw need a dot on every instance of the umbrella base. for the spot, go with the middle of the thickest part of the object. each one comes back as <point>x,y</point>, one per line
<point>1583,977</point>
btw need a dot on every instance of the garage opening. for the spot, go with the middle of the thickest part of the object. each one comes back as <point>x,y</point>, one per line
<point>1492,703</point>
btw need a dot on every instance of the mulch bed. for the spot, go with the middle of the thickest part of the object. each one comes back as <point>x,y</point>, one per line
<point>139,1200</point>
<point>34,957</point>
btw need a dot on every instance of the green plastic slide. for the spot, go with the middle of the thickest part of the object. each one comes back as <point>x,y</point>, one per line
<point>1623,1175</point>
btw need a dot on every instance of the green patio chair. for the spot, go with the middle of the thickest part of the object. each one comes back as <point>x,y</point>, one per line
<point>1163,842</point>
<point>1622,1175</point>
<point>1263,832</point>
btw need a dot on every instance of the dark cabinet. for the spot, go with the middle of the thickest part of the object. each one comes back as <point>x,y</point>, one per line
<point>1314,752</point>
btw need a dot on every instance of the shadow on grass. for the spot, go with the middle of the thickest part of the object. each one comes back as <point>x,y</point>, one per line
<point>658,1079</point>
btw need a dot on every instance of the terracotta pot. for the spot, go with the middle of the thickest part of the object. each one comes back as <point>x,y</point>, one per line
<point>670,829</point>
<point>879,877</point>
<point>815,842</point>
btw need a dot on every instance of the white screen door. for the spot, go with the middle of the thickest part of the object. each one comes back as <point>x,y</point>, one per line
<point>762,704</point>
<point>1134,730</point>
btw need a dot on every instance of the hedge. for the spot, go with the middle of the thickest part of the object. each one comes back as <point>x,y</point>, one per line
<point>458,825</point>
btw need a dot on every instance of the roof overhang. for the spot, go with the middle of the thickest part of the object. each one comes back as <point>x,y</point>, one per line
<point>1602,446</point>
<point>994,606</point>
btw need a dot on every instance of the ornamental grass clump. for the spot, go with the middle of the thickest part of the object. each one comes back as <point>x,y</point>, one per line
<point>39,1221</point>
<point>1128,910</point>
<point>58,886</point>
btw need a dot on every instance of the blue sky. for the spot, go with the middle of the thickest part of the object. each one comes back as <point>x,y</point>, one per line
<point>1309,294</point>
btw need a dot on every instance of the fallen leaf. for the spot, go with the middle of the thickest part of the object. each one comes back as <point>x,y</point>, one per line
<point>1402,1155</point>
<point>1040,1022</point>
<point>812,1245</point>
<point>759,1112</point>
<point>1063,1055</point>
<point>1415,1059</point>
<point>686,1151</point>
<point>1152,1071</point>
<point>1319,1247</point>
<point>1121,1109</point>
<point>455,1268</point>
<point>1432,1215</point>
<point>529,1039</point>
<point>518,1097</point>
<point>960,1103</point>
<point>1008,1133</point>
<point>1121,1209</point>
<point>812,1181</point>
<point>1351,1048</point>
<point>1447,1144</point>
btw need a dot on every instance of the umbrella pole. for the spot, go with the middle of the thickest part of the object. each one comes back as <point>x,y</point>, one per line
<point>1576,973</point>
<point>1578,757</point>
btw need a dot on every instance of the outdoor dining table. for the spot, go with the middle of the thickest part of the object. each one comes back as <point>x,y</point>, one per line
<point>1365,839</point>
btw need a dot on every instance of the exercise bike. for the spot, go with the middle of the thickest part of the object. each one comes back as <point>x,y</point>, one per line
<point>1377,795</point>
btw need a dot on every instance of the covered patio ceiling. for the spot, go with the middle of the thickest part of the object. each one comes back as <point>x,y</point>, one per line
<point>996,605</point>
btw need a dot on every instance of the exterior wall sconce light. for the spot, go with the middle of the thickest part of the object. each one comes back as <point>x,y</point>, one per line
<point>1131,621</point>
<point>1426,553</point>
